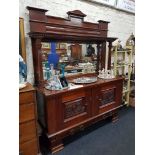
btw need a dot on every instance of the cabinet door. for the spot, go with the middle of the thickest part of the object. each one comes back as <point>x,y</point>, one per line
<point>76,107</point>
<point>107,97</point>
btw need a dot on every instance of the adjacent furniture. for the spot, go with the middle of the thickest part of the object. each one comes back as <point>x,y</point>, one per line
<point>28,141</point>
<point>123,67</point>
<point>64,112</point>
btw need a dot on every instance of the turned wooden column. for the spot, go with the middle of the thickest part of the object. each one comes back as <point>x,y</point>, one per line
<point>37,60</point>
<point>103,54</point>
<point>98,58</point>
<point>109,55</point>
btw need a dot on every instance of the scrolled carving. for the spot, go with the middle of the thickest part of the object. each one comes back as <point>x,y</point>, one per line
<point>107,96</point>
<point>74,108</point>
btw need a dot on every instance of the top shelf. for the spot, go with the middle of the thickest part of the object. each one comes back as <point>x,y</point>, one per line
<point>124,51</point>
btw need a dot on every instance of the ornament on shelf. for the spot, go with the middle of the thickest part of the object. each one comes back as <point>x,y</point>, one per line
<point>106,74</point>
<point>117,43</point>
<point>131,40</point>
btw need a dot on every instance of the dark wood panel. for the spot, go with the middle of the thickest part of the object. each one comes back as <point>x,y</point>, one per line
<point>75,27</point>
<point>66,22</point>
<point>52,114</point>
<point>72,95</point>
<point>76,51</point>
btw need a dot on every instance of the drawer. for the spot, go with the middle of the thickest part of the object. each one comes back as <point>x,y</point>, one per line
<point>27,131</point>
<point>29,148</point>
<point>26,112</point>
<point>73,95</point>
<point>26,97</point>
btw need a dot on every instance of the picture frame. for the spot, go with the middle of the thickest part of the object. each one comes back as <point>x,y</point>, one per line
<point>57,45</point>
<point>45,45</point>
<point>22,46</point>
<point>62,46</point>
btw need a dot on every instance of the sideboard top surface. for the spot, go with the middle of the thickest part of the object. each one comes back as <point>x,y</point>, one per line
<point>58,92</point>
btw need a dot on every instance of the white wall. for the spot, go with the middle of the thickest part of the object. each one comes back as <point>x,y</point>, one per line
<point>121,23</point>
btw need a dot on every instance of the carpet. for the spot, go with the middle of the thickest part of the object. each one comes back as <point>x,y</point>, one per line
<point>103,138</point>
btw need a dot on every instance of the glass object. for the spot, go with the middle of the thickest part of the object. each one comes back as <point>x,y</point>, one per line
<point>85,80</point>
<point>53,57</point>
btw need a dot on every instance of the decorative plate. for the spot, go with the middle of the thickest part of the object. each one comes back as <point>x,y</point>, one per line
<point>85,80</point>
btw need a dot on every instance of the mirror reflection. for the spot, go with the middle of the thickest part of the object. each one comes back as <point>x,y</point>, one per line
<point>68,58</point>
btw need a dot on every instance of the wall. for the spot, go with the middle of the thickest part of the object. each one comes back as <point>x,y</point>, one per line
<point>121,23</point>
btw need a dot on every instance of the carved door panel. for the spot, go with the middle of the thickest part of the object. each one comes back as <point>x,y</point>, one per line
<point>106,98</point>
<point>76,107</point>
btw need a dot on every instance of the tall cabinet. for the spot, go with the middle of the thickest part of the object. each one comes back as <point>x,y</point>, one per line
<point>28,139</point>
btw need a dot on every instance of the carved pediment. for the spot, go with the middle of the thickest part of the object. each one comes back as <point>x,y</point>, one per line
<point>77,13</point>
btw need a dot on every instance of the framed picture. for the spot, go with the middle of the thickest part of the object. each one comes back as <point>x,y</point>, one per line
<point>46,45</point>
<point>69,47</point>
<point>22,47</point>
<point>57,45</point>
<point>62,46</point>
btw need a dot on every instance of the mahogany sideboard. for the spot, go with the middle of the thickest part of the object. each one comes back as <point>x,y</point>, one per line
<point>64,112</point>
<point>28,141</point>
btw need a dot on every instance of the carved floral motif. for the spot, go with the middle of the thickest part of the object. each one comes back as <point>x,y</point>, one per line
<point>74,108</point>
<point>107,96</point>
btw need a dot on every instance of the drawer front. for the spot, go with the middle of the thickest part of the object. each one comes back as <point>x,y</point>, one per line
<point>26,97</point>
<point>27,131</point>
<point>26,112</point>
<point>29,148</point>
<point>73,95</point>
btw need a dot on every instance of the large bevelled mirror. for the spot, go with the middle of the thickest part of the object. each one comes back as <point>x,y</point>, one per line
<point>77,57</point>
